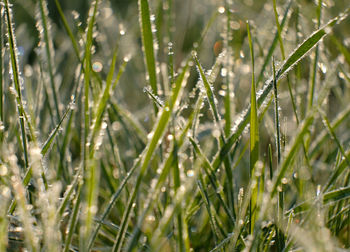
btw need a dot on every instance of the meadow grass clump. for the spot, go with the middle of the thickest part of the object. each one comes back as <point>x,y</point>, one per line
<point>174,125</point>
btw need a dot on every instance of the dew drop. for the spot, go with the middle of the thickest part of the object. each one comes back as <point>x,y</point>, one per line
<point>121,29</point>
<point>241,54</point>
<point>221,9</point>
<point>97,66</point>
<point>190,173</point>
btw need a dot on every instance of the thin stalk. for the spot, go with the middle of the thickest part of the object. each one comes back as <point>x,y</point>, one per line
<point>314,69</point>
<point>48,50</point>
<point>254,138</point>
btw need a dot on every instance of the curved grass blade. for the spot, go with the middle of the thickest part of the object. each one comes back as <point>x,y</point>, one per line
<point>217,119</point>
<point>336,195</point>
<point>69,31</point>
<point>333,135</point>
<point>157,133</point>
<point>294,147</point>
<point>274,44</point>
<point>212,178</point>
<point>16,79</point>
<point>102,103</point>
<point>165,169</point>
<point>299,53</point>
<point>46,146</point>
<point>336,173</point>
<point>315,146</point>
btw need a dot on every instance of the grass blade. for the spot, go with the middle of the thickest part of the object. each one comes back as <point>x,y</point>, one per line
<point>16,78</point>
<point>254,138</point>
<point>46,39</point>
<point>148,43</point>
<point>157,133</point>
<point>299,53</point>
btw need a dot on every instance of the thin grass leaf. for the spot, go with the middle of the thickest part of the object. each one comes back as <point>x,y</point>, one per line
<point>274,43</point>
<point>157,133</point>
<point>299,53</point>
<point>16,79</point>
<point>46,39</point>
<point>131,121</point>
<point>68,30</point>
<point>111,203</point>
<point>46,146</point>
<point>148,43</point>
<point>156,100</point>
<point>73,220</point>
<point>288,159</point>
<point>2,93</point>
<point>89,167</point>
<point>280,210</point>
<point>345,52</point>
<point>165,169</point>
<point>337,172</point>
<point>210,95</point>
<point>314,69</point>
<point>103,101</point>
<point>254,137</point>
<point>208,169</point>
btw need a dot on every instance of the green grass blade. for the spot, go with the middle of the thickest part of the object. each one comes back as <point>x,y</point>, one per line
<point>2,93</point>
<point>288,159</point>
<point>337,172</point>
<point>148,43</point>
<point>46,40</point>
<point>336,195</point>
<point>103,101</point>
<point>157,134</point>
<point>46,146</point>
<point>274,44</point>
<point>89,166</point>
<point>73,220</point>
<point>299,53</point>
<point>254,137</point>
<point>314,70</point>
<point>217,119</point>
<point>16,78</point>
<point>210,95</point>
<point>208,169</point>
<point>165,169</point>
<point>68,30</point>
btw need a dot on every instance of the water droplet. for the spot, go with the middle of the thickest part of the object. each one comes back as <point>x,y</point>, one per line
<point>223,72</point>
<point>150,218</point>
<point>150,135</point>
<point>127,58</point>
<point>322,67</point>
<point>170,137</point>
<point>121,29</point>
<point>222,92</point>
<point>241,54</point>
<point>221,9</point>
<point>284,181</point>
<point>219,189</point>
<point>190,173</point>
<point>97,66</point>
